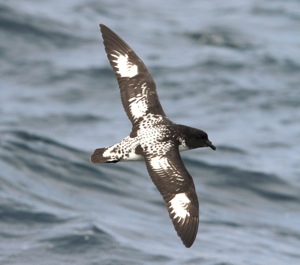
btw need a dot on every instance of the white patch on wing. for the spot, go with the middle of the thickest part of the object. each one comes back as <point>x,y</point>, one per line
<point>138,107</point>
<point>159,163</point>
<point>179,205</point>
<point>125,67</point>
<point>139,103</point>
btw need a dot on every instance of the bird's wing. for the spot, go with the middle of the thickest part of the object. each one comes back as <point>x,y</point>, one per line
<point>138,90</point>
<point>177,188</point>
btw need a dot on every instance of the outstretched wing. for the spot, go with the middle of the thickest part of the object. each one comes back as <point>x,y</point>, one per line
<point>177,188</point>
<point>138,90</point>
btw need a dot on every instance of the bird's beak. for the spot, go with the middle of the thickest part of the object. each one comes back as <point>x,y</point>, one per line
<point>210,145</point>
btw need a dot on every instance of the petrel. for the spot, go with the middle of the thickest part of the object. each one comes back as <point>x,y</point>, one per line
<point>154,137</point>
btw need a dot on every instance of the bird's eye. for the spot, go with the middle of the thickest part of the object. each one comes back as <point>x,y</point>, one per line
<point>203,135</point>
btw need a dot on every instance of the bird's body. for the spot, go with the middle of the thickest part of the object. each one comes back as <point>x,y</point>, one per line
<point>153,138</point>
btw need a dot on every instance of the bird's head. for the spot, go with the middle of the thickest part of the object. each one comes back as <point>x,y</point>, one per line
<point>197,138</point>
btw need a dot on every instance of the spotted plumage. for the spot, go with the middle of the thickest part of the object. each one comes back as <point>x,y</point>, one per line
<point>153,138</point>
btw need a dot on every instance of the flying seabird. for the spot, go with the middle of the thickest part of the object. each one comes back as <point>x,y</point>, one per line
<point>153,138</point>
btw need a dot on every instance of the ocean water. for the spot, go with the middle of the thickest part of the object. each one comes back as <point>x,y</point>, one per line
<point>231,68</point>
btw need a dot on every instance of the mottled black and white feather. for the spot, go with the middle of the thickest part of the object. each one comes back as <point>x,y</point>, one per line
<point>154,137</point>
<point>177,188</point>
<point>138,90</point>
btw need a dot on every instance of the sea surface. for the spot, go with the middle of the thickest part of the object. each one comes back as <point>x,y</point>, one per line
<point>231,68</point>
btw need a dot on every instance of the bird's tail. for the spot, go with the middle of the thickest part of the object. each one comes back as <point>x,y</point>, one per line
<point>97,157</point>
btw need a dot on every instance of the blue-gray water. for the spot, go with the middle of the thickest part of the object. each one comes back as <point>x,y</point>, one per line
<point>231,68</point>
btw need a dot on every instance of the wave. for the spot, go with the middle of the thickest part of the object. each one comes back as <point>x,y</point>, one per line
<point>88,209</point>
<point>31,164</point>
<point>37,29</point>
<point>231,179</point>
<point>220,36</point>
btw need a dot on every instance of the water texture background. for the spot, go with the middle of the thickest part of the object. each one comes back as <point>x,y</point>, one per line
<point>231,68</point>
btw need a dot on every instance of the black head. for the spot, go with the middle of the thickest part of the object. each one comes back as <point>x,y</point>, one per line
<point>196,138</point>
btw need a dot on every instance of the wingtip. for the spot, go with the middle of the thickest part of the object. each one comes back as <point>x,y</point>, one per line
<point>188,245</point>
<point>189,236</point>
<point>101,26</point>
<point>186,227</point>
